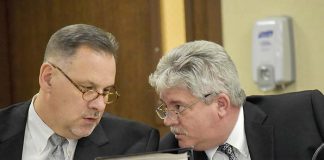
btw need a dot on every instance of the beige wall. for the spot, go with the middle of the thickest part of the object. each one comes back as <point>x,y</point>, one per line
<point>308,25</point>
<point>238,20</point>
<point>172,24</point>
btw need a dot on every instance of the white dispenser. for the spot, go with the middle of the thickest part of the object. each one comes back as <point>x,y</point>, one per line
<point>273,53</point>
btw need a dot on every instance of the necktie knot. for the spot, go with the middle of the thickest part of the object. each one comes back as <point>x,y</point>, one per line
<point>57,143</point>
<point>228,150</point>
<point>57,140</point>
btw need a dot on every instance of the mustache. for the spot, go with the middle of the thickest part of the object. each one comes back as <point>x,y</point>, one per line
<point>178,131</point>
<point>91,114</point>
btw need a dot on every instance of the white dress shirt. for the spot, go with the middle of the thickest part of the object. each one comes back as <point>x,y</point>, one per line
<point>237,139</point>
<point>37,133</point>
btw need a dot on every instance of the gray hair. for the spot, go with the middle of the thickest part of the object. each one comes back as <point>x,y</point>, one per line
<point>201,66</point>
<point>65,41</point>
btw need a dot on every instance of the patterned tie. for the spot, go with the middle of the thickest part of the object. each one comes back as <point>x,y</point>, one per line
<point>57,143</point>
<point>228,150</point>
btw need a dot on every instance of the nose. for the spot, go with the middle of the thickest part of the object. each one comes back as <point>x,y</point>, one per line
<point>98,103</point>
<point>170,120</point>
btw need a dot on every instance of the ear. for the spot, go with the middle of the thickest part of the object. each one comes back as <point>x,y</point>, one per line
<point>224,103</point>
<point>45,77</point>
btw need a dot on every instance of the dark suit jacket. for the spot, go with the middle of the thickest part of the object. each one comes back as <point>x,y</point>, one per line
<point>278,127</point>
<point>112,136</point>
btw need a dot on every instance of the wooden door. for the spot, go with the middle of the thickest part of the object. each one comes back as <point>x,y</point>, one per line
<point>135,23</point>
<point>5,92</point>
<point>203,20</point>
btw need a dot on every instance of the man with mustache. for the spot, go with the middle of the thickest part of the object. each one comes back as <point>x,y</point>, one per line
<point>202,102</point>
<point>65,120</point>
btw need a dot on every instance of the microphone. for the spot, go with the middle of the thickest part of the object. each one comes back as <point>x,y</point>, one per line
<point>319,154</point>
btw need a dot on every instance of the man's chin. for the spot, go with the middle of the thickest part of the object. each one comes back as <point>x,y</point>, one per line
<point>183,144</point>
<point>84,132</point>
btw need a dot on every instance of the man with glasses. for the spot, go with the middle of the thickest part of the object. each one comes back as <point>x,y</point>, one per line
<point>66,119</point>
<point>202,102</point>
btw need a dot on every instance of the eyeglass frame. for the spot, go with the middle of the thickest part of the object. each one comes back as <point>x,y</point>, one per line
<point>177,113</point>
<point>83,91</point>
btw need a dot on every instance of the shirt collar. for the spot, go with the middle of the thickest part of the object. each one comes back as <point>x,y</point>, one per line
<point>237,138</point>
<point>39,131</point>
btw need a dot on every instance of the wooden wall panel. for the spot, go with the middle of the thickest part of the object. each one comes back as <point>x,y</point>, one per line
<point>135,23</point>
<point>5,93</point>
<point>203,20</point>
<point>28,35</point>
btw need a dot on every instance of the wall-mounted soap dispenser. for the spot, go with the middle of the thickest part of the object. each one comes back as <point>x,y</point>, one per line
<point>273,53</point>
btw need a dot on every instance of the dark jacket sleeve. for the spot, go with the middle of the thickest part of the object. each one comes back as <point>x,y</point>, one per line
<point>168,142</point>
<point>153,140</point>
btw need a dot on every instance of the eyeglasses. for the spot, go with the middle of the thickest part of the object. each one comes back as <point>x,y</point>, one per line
<point>163,112</point>
<point>110,94</point>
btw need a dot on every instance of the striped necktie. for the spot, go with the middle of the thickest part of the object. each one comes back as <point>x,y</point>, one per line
<point>228,150</point>
<point>57,152</point>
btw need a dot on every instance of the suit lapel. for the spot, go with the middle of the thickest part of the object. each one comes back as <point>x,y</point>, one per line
<point>259,136</point>
<point>200,155</point>
<point>12,136</point>
<point>12,148</point>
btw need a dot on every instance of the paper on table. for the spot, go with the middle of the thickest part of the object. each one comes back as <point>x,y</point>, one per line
<point>155,156</point>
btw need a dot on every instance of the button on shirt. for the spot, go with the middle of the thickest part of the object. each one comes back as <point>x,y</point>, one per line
<point>237,139</point>
<point>36,144</point>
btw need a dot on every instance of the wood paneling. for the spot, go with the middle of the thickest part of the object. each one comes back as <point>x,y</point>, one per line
<point>5,93</point>
<point>135,23</point>
<point>203,20</point>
